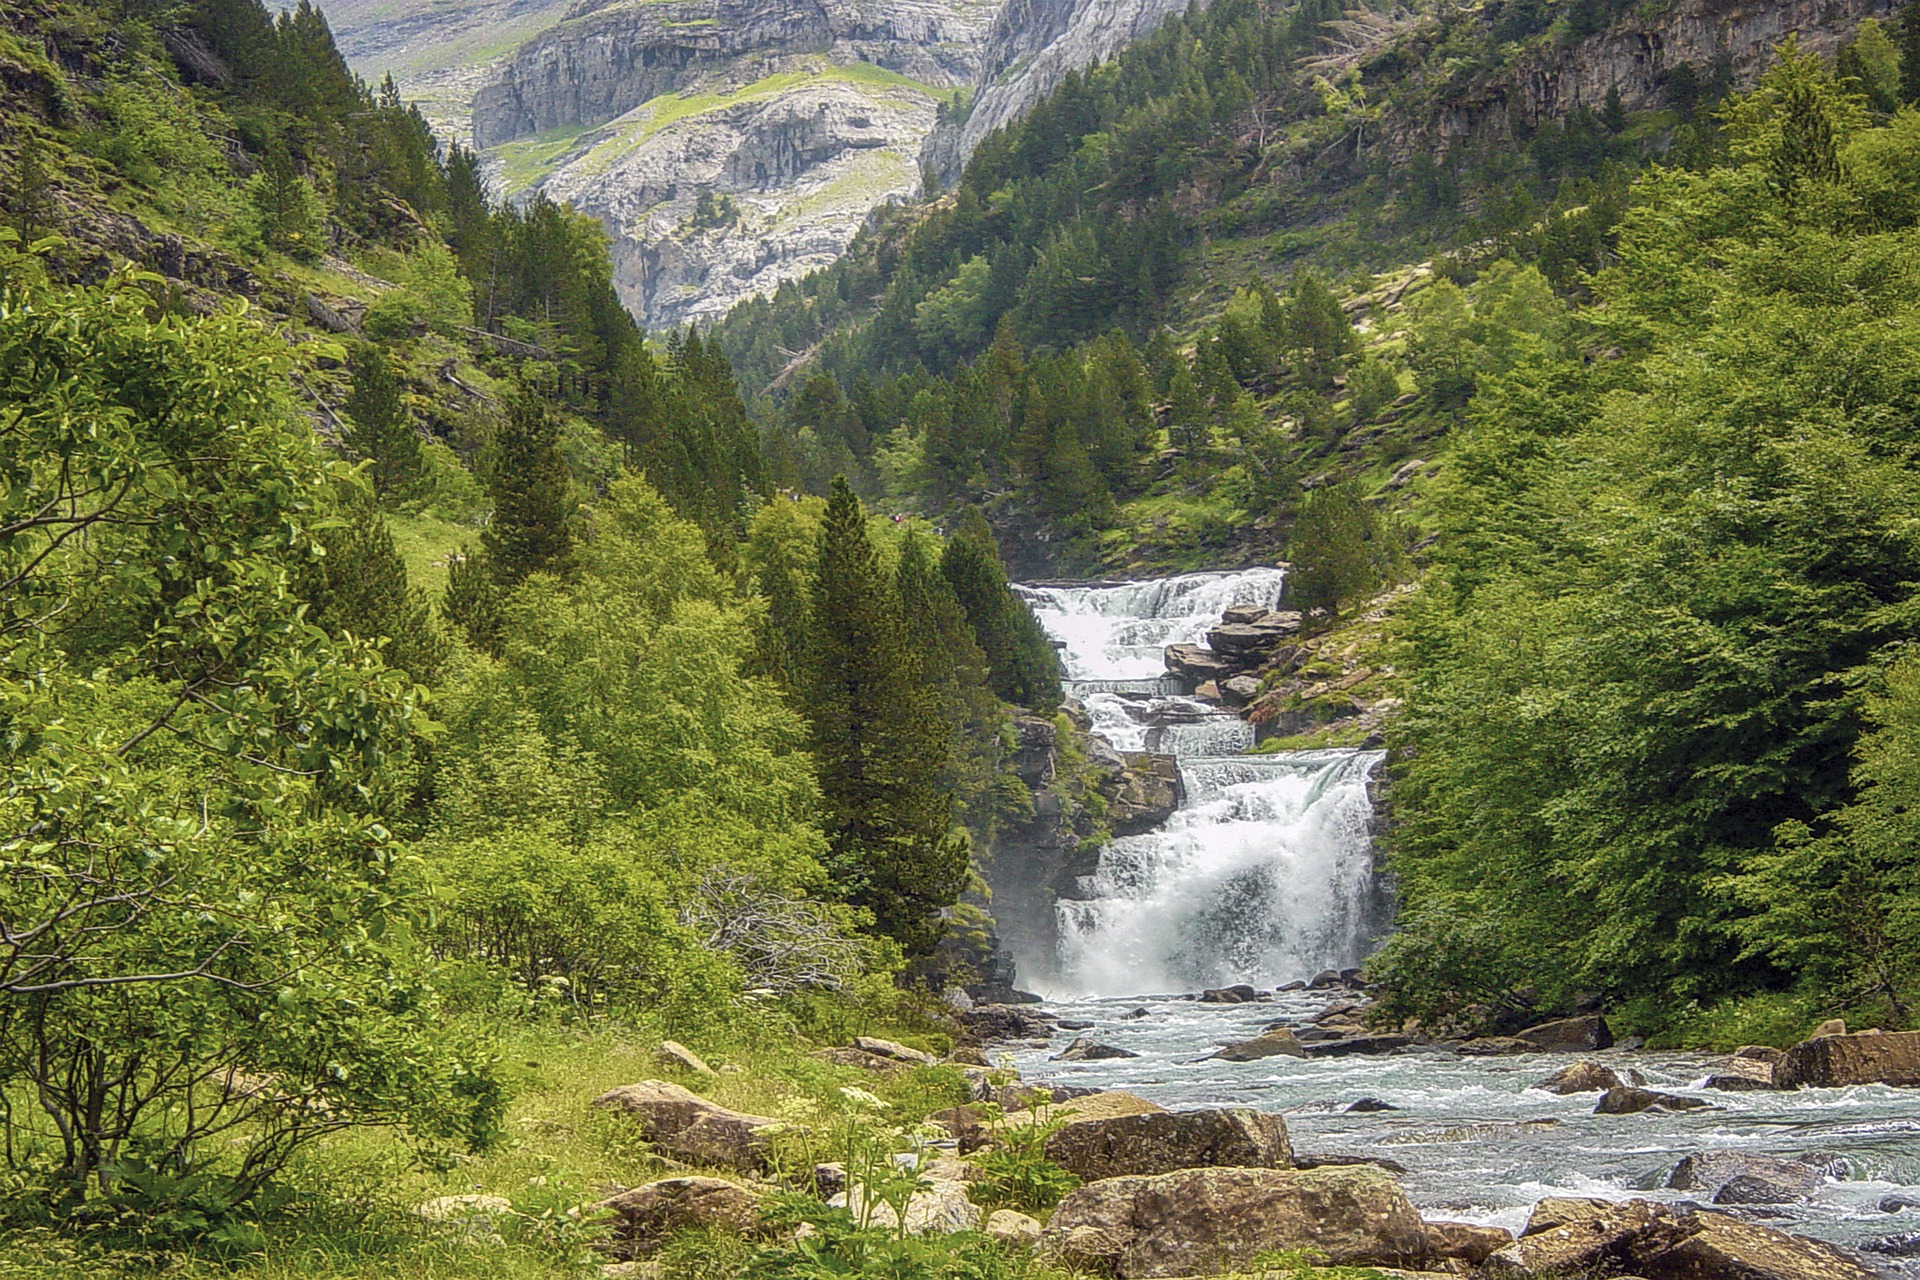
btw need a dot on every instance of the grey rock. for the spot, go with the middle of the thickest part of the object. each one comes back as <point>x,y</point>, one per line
<point>1084,1050</point>
<point>1624,1100</point>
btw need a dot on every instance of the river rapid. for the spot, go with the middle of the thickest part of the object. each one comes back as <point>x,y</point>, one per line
<point>1265,876</point>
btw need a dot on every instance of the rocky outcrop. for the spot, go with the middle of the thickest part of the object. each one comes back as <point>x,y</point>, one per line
<point>1647,58</point>
<point>1205,1221</point>
<point>1833,1061</point>
<point>728,145</point>
<point>1031,48</point>
<point>1466,1242</point>
<point>686,1126</point>
<point>644,1218</point>
<point>1568,1236</point>
<point>1625,1100</point>
<point>1569,1035</point>
<point>1745,1177</point>
<point>1162,1142</point>
<point>1582,1077</point>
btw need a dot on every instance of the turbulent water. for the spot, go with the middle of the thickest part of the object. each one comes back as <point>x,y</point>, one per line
<point>1479,1144</point>
<point>1263,874</point>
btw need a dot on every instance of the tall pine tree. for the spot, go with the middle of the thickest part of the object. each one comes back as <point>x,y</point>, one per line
<point>880,742</point>
<point>532,495</point>
<point>363,588</point>
<point>1022,664</point>
<point>382,430</point>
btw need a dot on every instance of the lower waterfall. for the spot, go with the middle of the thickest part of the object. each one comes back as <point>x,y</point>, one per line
<point>1264,874</point>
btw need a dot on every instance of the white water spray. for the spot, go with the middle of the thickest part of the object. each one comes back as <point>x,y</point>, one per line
<point>1264,874</point>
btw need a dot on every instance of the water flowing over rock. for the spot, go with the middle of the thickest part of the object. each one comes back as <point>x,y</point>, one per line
<point>1265,870</point>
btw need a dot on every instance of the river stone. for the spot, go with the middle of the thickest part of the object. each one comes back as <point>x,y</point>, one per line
<point>1567,1235</point>
<point>1385,1043</point>
<point>1896,1202</point>
<point>1466,1242</point>
<point>1239,993</point>
<point>1195,663</point>
<point>1010,1226</point>
<point>1369,1104</point>
<point>1495,1047</point>
<point>1163,1141</point>
<point>1833,1061</point>
<point>993,1023</point>
<point>1243,613</point>
<point>1623,1099</point>
<point>1711,1172</point>
<point>1279,1042</point>
<point>1325,979</point>
<point>1570,1035</point>
<point>1725,1248</point>
<point>1211,1220</point>
<point>1581,1077</point>
<point>1085,1050</point>
<point>1905,1245</point>
<point>848,1056</point>
<point>898,1052</point>
<point>1831,1027</point>
<point>647,1216</point>
<point>1759,1052</point>
<point>684,1125</point>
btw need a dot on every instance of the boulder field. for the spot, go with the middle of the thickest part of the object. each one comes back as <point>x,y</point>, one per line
<point>1209,1191</point>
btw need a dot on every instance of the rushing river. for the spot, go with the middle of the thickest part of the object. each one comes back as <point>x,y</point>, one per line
<point>1264,876</point>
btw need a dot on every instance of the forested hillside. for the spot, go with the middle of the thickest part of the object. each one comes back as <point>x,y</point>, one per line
<point>410,675</point>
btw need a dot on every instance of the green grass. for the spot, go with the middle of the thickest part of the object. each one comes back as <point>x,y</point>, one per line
<point>425,542</point>
<point>526,161</point>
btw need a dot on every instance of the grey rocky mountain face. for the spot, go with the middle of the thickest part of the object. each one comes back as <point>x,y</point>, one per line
<point>728,145</point>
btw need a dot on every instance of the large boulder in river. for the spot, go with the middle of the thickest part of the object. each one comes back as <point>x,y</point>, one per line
<point>1195,663</point>
<point>993,1023</point>
<point>1276,1043</point>
<point>1585,1076</point>
<point>682,1124</point>
<point>1567,1236</point>
<point>1625,1100</point>
<point>1570,1035</point>
<point>1760,1179</point>
<point>1211,1220</point>
<point>1085,1050</point>
<point>1871,1057</point>
<point>1350,1045</point>
<point>645,1217</point>
<point>1161,1142</point>
<point>1145,795</point>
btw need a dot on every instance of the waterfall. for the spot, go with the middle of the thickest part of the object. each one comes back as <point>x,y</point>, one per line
<point>1265,873</point>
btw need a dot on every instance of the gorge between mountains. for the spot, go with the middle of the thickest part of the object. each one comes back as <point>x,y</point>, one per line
<point>1260,886</point>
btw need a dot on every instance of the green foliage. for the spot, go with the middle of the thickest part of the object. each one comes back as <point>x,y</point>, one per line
<point>288,214</point>
<point>1664,581</point>
<point>532,494</point>
<point>362,590</point>
<point>207,913</point>
<point>382,431</point>
<point>1339,552</point>
<point>1015,1172</point>
<point>1021,662</point>
<point>880,742</point>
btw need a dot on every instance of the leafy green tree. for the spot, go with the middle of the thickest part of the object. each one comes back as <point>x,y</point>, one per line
<point>1021,662</point>
<point>1338,551</point>
<point>196,774</point>
<point>880,743</point>
<point>1872,63</point>
<point>382,430</point>
<point>530,531</point>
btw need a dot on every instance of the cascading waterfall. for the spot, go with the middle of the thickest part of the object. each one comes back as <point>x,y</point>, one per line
<point>1264,874</point>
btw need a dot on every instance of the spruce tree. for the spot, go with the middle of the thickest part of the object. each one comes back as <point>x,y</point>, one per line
<point>1318,330</point>
<point>532,495</point>
<point>381,429</point>
<point>474,601</point>
<point>31,200</point>
<point>880,742</point>
<point>953,667</point>
<point>1909,44</point>
<point>1021,663</point>
<point>364,589</point>
<point>1338,551</point>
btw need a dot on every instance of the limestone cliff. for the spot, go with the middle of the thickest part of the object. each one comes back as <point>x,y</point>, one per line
<point>728,145</point>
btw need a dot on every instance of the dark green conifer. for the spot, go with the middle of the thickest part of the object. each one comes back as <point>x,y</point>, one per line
<point>1021,662</point>
<point>1338,551</point>
<point>1318,330</point>
<point>381,429</point>
<point>532,495</point>
<point>364,589</point>
<point>880,743</point>
<point>474,601</point>
<point>1909,45</point>
<point>30,202</point>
